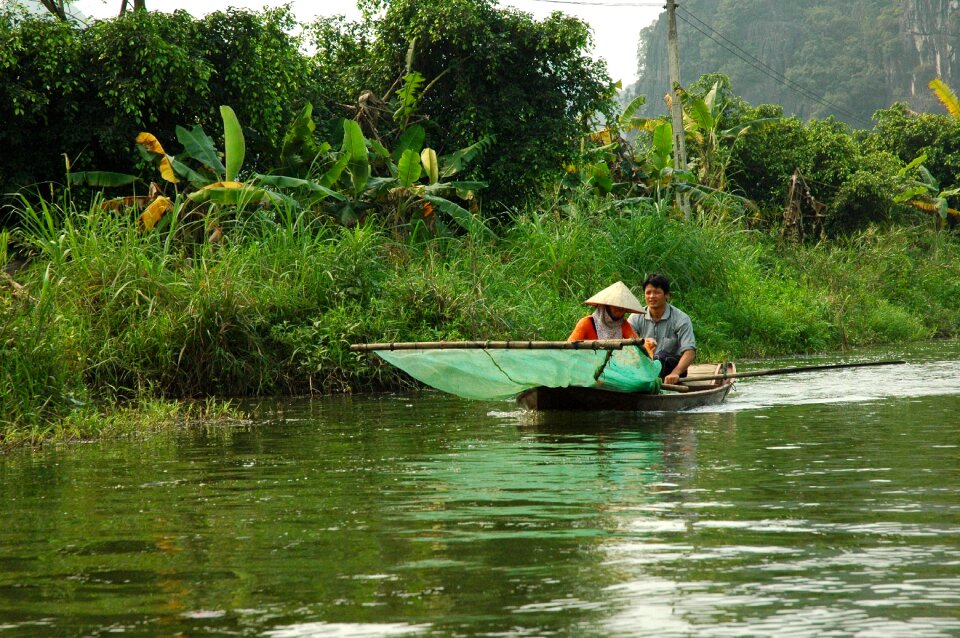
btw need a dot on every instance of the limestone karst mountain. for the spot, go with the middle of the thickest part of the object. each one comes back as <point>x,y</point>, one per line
<point>815,57</point>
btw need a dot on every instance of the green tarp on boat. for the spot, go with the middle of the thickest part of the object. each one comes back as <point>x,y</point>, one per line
<point>493,373</point>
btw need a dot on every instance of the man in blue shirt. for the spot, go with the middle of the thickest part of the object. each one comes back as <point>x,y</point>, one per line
<point>668,327</point>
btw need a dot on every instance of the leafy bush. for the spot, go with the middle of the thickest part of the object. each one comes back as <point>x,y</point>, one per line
<point>499,72</point>
<point>862,200</point>
<point>907,135</point>
<point>86,93</point>
<point>763,162</point>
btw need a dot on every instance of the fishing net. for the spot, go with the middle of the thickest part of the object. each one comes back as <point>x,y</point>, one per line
<point>492,373</point>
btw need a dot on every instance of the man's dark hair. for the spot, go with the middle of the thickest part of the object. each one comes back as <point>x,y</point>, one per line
<point>657,281</point>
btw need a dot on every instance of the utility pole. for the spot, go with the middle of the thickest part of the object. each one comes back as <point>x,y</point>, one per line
<point>676,108</point>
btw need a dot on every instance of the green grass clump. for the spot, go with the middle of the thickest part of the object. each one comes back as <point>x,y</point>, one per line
<point>40,374</point>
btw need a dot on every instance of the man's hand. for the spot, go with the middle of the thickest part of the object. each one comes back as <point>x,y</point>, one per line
<point>685,360</point>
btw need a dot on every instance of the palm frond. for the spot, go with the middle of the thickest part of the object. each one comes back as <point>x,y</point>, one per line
<point>946,96</point>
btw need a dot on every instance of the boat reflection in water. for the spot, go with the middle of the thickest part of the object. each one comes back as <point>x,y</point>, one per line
<point>695,394</point>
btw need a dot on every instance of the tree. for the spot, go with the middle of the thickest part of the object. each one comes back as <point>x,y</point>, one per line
<point>135,5</point>
<point>85,93</point>
<point>761,166</point>
<point>56,7</point>
<point>528,84</point>
<point>61,9</point>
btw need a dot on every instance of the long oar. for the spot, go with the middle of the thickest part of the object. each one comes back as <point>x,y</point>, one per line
<point>764,373</point>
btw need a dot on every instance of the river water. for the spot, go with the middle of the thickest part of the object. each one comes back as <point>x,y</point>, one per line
<point>807,505</point>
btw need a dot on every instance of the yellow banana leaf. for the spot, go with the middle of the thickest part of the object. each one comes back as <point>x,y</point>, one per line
<point>223,185</point>
<point>603,136</point>
<point>166,171</point>
<point>946,96</point>
<point>151,144</point>
<point>154,212</point>
<point>931,207</point>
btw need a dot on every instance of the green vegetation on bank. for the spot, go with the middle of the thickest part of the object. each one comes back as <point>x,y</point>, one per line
<point>445,169</point>
<point>110,313</point>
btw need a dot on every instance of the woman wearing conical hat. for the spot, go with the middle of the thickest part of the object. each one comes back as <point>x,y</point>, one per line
<point>608,320</point>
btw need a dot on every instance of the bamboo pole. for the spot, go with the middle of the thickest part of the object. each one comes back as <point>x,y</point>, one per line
<point>600,344</point>
<point>772,371</point>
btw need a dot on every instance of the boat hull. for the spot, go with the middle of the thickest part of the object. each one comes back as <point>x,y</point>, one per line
<point>577,398</point>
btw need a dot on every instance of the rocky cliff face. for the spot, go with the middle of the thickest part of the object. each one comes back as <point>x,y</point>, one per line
<point>930,35</point>
<point>815,57</point>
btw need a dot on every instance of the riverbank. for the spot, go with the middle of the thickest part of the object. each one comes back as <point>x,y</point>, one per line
<point>107,313</point>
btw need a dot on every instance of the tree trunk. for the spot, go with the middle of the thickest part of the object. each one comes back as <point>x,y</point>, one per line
<point>56,7</point>
<point>137,5</point>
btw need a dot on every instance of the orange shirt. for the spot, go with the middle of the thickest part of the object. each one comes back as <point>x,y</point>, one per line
<point>585,331</point>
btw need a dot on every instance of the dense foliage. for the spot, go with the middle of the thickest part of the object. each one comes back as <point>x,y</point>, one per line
<point>530,85</point>
<point>84,94</point>
<point>109,312</point>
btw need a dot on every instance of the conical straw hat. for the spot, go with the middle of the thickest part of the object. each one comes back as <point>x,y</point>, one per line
<point>616,295</point>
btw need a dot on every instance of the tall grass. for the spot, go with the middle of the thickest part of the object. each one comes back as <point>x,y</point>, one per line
<point>40,379</point>
<point>112,313</point>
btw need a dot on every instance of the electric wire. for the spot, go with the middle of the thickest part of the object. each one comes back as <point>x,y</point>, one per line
<point>602,4</point>
<point>756,64</point>
<point>779,76</point>
<point>766,69</point>
<point>737,51</point>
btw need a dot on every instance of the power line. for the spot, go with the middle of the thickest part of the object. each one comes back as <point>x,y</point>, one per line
<point>602,4</point>
<point>736,51</point>
<point>766,69</point>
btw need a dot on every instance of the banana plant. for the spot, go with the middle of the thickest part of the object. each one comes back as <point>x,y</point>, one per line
<point>946,96</point>
<point>711,144</point>
<point>660,161</point>
<point>664,180</point>
<point>201,177</point>
<point>921,190</point>
<point>415,186</point>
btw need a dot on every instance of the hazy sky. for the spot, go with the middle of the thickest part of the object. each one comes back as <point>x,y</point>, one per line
<point>616,23</point>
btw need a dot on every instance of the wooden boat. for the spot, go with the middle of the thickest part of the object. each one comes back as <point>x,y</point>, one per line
<point>701,393</point>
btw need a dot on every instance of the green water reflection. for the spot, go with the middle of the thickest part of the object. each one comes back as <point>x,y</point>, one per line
<point>427,515</point>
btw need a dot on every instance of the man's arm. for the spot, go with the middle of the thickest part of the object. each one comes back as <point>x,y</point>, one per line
<point>688,350</point>
<point>685,360</point>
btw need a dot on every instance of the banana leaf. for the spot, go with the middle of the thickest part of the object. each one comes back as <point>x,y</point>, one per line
<point>101,178</point>
<point>463,218</point>
<point>408,168</point>
<point>241,195</point>
<point>412,138</point>
<point>234,147</point>
<point>295,183</point>
<point>199,146</point>
<point>355,147</point>
<point>428,157</point>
